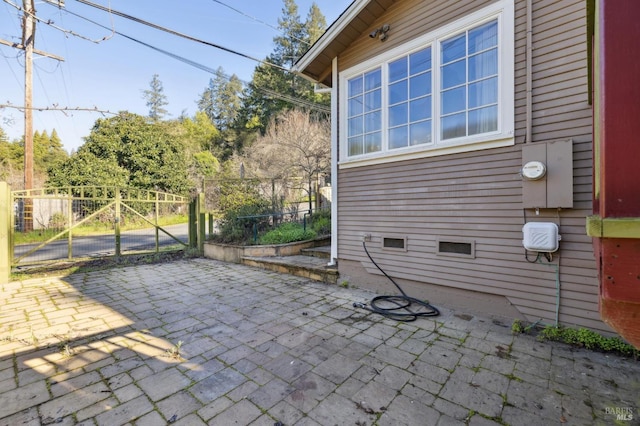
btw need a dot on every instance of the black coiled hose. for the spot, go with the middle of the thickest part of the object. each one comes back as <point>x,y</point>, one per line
<point>400,308</point>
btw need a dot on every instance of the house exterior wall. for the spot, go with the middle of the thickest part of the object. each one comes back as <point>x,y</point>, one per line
<point>477,196</point>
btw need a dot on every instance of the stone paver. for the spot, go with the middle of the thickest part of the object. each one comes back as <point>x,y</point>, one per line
<point>201,342</point>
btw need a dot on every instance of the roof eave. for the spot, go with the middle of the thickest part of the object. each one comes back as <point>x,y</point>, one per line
<point>332,33</point>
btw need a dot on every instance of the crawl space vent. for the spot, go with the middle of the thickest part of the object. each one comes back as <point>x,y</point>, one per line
<point>394,243</point>
<point>454,248</point>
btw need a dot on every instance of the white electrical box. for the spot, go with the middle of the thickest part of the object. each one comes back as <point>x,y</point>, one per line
<point>540,236</point>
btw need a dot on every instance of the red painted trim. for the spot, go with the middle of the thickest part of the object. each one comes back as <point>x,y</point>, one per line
<point>619,26</point>
<point>617,168</point>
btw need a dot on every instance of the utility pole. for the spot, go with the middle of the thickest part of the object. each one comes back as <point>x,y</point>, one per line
<point>28,38</point>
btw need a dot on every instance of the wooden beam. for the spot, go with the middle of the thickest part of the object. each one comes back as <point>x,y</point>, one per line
<point>36,51</point>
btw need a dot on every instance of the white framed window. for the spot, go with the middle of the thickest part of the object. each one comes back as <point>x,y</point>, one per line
<point>447,91</point>
<point>365,113</point>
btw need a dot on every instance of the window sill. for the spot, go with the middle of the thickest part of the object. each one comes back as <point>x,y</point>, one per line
<point>388,157</point>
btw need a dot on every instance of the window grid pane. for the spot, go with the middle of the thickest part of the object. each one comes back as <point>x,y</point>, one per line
<point>420,133</point>
<point>409,99</point>
<point>469,76</point>
<point>372,142</point>
<point>355,146</point>
<point>364,113</point>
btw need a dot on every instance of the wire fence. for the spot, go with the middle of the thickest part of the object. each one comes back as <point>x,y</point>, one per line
<point>241,209</point>
<point>288,195</point>
<point>62,224</point>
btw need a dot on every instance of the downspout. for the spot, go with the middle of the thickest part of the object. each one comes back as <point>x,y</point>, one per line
<point>529,84</point>
<point>334,162</point>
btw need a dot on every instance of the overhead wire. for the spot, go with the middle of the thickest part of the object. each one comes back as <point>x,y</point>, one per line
<point>63,74</point>
<point>37,68</point>
<point>271,93</point>
<point>257,20</point>
<point>6,58</point>
<point>17,24</point>
<point>52,24</point>
<point>9,120</point>
<point>46,95</point>
<point>179,34</point>
<point>288,98</point>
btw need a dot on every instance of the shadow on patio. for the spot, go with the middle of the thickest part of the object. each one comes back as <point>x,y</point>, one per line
<point>263,348</point>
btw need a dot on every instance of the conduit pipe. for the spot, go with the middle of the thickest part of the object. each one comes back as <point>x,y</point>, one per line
<point>528,71</point>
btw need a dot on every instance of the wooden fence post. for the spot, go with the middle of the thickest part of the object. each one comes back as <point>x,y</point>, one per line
<point>5,232</point>
<point>201,223</point>
<point>117,223</point>
<point>193,239</point>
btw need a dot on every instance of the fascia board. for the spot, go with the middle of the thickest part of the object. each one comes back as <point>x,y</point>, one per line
<point>331,34</point>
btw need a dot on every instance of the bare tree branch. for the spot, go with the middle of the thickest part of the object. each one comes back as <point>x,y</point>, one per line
<point>296,150</point>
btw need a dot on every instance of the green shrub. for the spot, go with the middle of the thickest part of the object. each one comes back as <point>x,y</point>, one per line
<point>321,226</point>
<point>321,222</point>
<point>287,233</point>
<point>58,221</point>
<point>235,228</point>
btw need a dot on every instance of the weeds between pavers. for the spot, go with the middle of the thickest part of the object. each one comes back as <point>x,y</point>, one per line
<point>580,337</point>
<point>174,351</point>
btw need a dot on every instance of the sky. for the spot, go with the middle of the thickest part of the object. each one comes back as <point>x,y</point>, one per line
<point>109,72</point>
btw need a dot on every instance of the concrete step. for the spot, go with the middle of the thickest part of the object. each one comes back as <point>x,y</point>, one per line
<point>300,265</point>
<point>323,252</point>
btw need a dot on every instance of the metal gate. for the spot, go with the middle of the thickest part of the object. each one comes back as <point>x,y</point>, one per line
<point>89,222</point>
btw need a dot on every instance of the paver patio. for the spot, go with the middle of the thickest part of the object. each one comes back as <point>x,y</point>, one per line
<point>197,342</point>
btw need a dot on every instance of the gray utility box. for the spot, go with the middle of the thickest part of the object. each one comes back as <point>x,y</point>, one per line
<point>555,188</point>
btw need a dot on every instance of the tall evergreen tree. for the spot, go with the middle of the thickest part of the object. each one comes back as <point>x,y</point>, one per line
<point>230,101</point>
<point>292,42</point>
<point>156,99</point>
<point>273,89</point>
<point>55,153</point>
<point>40,145</point>
<point>221,100</point>
<point>205,103</point>
<point>315,25</point>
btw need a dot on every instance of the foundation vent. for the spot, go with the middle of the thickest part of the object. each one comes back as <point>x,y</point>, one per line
<point>456,248</point>
<point>394,243</point>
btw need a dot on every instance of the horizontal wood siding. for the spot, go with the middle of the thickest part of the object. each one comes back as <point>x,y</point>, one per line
<point>407,20</point>
<point>477,196</point>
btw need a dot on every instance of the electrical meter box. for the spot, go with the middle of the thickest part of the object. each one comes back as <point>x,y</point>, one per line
<point>541,236</point>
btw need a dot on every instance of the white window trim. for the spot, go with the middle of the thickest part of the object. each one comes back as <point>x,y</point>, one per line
<point>504,136</point>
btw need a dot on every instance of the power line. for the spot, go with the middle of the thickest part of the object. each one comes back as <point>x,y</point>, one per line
<point>273,94</point>
<point>270,93</point>
<point>53,25</point>
<point>17,24</point>
<point>179,34</point>
<point>258,20</point>
<point>11,68</point>
<point>44,90</point>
